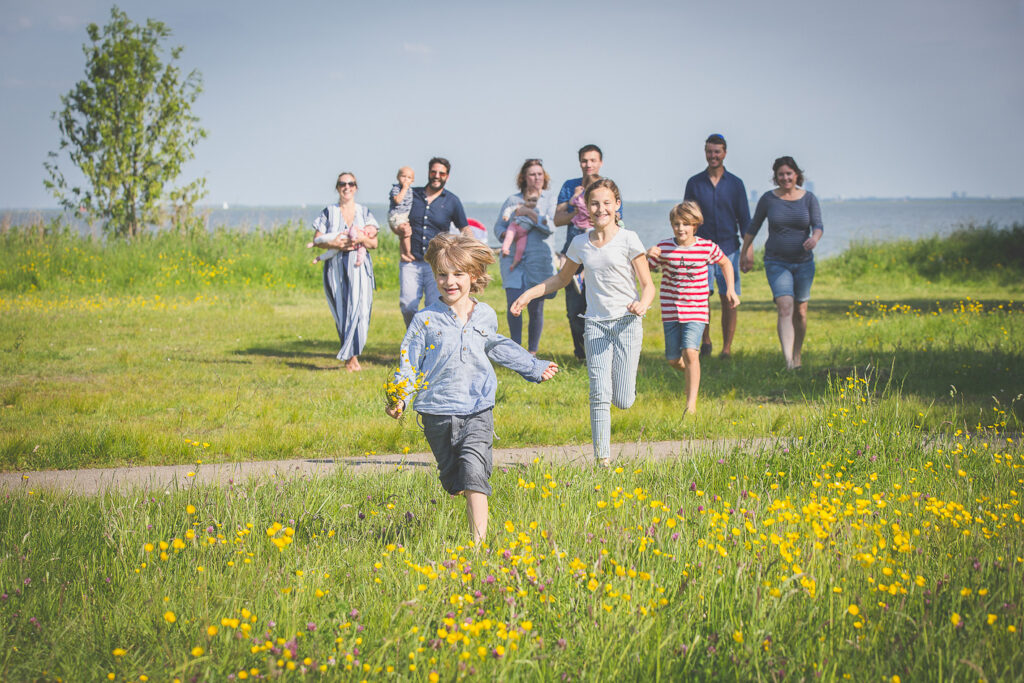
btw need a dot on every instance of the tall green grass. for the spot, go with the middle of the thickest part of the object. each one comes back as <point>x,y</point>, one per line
<point>858,550</point>
<point>980,254</point>
<point>54,259</point>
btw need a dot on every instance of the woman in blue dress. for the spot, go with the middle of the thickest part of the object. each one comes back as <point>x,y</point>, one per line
<point>348,275</point>
<point>537,265</point>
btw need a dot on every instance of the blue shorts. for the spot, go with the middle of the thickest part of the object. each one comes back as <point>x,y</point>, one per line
<point>715,274</point>
<point>679,336</point>
<point>790,279</point>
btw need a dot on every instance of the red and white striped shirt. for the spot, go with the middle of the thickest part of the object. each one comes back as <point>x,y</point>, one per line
<point>684,280</point>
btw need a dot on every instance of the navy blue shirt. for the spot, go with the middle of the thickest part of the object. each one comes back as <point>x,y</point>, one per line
<point>725,208</point>
<point>428,220</point>
<point>564,195</point>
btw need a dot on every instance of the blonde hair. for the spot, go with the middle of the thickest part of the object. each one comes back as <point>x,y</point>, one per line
<point>452,253</point>
<point>687,213</point>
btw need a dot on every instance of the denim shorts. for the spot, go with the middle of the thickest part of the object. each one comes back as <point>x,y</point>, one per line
<point>679,336</point>
<point>715,274</point>
<point>790,279</point>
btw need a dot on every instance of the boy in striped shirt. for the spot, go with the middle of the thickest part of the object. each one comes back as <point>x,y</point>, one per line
<point>684,261</point>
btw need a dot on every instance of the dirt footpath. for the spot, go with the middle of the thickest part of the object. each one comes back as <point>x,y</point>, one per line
<point>169,477</point>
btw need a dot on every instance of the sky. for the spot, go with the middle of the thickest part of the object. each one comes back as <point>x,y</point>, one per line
<point>883,98</point>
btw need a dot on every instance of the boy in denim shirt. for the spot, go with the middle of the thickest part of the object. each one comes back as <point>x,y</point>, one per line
<point>450,346</point>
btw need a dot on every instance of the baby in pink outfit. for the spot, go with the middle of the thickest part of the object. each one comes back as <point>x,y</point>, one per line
<point>518,229</point>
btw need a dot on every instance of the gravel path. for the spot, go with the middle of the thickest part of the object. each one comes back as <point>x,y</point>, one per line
<point>167,477</point>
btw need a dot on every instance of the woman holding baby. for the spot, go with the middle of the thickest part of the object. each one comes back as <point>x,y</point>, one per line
<point>346,231</point>
<point>526,255</point>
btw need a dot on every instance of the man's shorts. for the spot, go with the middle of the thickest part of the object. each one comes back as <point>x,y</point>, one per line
<point>461,445</point>
<point>679,336</point>
<point>715,274</point>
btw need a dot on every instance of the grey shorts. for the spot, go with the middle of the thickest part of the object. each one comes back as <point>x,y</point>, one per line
<point>461,445</point>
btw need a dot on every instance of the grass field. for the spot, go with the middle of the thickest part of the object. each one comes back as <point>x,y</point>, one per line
<point>122,353</point>
<point>881,541</point>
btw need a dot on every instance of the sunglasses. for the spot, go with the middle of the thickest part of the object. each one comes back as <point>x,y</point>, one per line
<point>346,183</point>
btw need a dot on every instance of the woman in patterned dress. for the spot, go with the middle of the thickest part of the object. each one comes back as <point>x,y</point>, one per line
<point>348,278</point>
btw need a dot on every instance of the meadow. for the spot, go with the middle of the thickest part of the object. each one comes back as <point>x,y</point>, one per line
<point>124,353</point>
<point>879,538</point>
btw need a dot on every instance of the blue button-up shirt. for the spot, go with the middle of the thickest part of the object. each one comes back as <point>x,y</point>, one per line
<point>453,361</point>
<point>427,220</point>
<point>725,208</point>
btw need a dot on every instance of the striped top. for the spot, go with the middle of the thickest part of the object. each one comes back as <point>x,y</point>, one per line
<point>684,280</point>
<point>790,223</point>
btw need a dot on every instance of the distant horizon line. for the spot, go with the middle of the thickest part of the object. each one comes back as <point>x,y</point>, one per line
<point>840,198</point>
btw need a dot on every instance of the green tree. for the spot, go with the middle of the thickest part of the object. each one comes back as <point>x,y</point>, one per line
<point>128,127</point>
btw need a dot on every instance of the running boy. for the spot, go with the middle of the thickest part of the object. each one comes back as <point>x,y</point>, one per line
<point>684,260</point>
<point>399,206</point>
<point>450,345</point>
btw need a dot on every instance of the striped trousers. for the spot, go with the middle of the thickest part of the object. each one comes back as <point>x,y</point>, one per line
<point>613,353</point>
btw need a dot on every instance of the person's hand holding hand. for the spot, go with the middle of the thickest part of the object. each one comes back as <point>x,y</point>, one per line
<point>746,261</point>
<point>654,253</point>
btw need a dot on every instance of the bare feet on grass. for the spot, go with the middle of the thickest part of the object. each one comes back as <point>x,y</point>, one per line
<point>353,364</point>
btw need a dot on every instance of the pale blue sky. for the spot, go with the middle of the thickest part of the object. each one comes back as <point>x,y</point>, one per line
<point>873,98</point>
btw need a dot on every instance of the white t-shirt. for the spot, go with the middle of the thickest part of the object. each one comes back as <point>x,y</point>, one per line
<point>611,283</point>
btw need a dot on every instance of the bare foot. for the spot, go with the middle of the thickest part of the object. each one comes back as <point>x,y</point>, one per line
<point>691,410</point>
<point>353,364</point>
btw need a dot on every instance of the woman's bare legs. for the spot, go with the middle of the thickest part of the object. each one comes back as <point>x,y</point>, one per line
<point>799,330</point>
<point>784,325</point>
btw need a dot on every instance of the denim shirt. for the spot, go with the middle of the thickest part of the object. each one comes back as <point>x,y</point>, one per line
<point>455,359</point>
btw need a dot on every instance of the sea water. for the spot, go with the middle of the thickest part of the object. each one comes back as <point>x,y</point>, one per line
<point>845,221</point>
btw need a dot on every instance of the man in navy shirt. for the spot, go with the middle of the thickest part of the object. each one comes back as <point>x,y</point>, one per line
<point>723,201</point>
<point>591,160</point>
<point>434,210</point>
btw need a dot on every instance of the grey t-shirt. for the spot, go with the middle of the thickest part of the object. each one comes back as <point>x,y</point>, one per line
<point>790,223</point>
<point>608,271</point>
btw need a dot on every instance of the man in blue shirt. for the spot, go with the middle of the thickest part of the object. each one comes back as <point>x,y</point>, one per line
<point>591,161</point>
<point>434,211</point>
<point>723,201</point>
